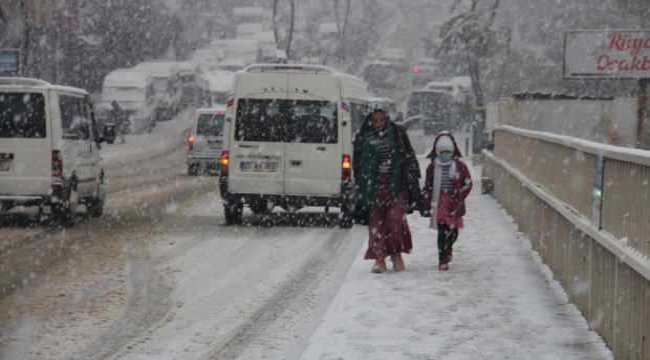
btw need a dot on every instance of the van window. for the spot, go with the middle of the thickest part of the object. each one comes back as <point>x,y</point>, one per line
<point>22,115</point>
<point>261,120</point>
<point>313,122</point>
<point>210,125</point>
<point>75,117</point>
<point>301,121</point>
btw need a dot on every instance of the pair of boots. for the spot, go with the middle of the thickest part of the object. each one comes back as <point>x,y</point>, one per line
<point>380,264</point>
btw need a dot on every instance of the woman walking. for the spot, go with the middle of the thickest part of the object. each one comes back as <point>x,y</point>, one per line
<point>387,178</point>
<point>447,185</point>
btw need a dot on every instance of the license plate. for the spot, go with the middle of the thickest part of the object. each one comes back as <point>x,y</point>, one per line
<point>5,165</point>
<point>258,166</point>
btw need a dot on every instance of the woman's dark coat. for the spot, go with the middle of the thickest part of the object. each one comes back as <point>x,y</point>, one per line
<point>409,169</point>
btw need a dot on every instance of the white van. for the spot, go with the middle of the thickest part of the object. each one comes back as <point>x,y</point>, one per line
<point>161,75</point>
<point>131,90</point>
<point>49,148</point>
<point>205,141</point>
<point>288,139</point>
<point>215,88</point>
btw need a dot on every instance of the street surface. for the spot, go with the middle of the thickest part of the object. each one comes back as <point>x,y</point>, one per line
<point>160,277</point>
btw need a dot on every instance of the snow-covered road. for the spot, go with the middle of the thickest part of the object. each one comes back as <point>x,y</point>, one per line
<point>166,280</point>
<point>243,292</point>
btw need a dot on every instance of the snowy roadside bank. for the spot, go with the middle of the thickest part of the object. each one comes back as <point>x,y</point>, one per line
<point>495,303</point>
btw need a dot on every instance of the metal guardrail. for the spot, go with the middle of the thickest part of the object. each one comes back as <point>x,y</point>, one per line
<point>565,172</point>
<point>608,184</point>
<point>604,275</point>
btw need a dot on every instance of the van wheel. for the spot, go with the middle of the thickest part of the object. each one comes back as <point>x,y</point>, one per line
<point>346,219</point>
<point>233,213</point>
<point>95,205</point>
<point>260,207</point>
<point>96,209</point>
<point>66,208</point>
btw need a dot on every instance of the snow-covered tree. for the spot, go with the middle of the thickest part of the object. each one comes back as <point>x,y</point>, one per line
<point>469,37</point>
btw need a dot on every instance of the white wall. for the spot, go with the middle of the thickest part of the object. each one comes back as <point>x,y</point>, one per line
<point>606,121</point>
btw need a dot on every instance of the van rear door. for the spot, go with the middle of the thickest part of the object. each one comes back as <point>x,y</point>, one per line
<point>313,153</point>
<point>25,143</point>
<point>208,135</point>
<point>257,147</point>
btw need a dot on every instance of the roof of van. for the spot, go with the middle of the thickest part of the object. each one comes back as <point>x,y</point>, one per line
<point>127,76</point>
<point>233,43</point>
<point>431,91</point>
<point>352,87</point>
<point>21,82</point>
<point>381,99</point>
<point>211,110</point>
<point>157,68</point>
<point>292,68</point>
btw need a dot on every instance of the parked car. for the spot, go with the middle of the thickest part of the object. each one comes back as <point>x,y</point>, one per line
<point>49,149</point>
<point>288,140</point>
<point>205,141</point>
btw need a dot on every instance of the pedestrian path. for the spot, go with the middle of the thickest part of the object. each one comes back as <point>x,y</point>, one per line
<point>496,302</point>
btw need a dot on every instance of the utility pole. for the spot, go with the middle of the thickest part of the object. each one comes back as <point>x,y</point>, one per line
<point>643,137</point>
<point>27,24</point>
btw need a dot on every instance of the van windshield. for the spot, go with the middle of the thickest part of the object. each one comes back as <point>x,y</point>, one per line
<point>22,115</point>
<point>295,121</point>
<point>210,125</point>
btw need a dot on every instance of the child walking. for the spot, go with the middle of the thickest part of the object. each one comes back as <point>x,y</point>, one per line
<point>448,183</point>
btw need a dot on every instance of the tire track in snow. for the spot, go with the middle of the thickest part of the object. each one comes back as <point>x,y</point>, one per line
<point>304,278</point>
